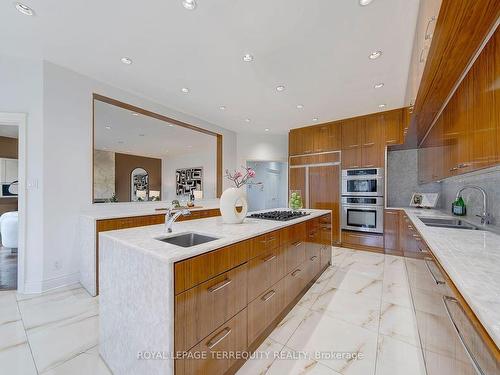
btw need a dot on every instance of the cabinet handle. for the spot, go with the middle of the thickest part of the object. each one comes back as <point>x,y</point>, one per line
<point>453,169</point>
<point>220,285</point>
<point>475,364</point>
<point>313,258</point>
<point>427,34</point>
<point>438,282</point>
<point>297,244</point>
<point>421,58</point>
<point>417,237</point>
<point>296,272</point>
<point>463,165</point>
<point>218,337</point>
<point>266,297</point>
<point>268,240</point>
<point>269,258</point>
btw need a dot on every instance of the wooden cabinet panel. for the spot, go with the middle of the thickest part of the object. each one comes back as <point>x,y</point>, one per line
<point>363,241</point>
<point>295,281</point>
<point>229,337</point>
<point>324,193</point>
<point>372,142</point>
<point>326,240</point>
<point>297,180</point>
<point>301,141</point>
<point>295,254</point>
<point>264,271</point>
<point>391,232</point>
<point>393,124</point>
<point>265,243</point>
<point>351,143</point>
<point>326,137</point>
<point>200,310</point>
<point>264,309</point>
<point>194,271</point>
<point>351,158</point>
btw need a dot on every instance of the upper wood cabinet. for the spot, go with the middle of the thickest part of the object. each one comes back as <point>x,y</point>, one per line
<point>352,137</point>
<point>465,137</point>
<point>394,124</point>
<point>313,139</point>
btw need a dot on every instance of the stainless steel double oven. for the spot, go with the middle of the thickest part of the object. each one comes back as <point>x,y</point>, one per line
<point>363,200</point>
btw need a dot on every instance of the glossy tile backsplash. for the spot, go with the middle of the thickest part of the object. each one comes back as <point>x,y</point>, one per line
<point>488,179</point>
<point>402,178</point>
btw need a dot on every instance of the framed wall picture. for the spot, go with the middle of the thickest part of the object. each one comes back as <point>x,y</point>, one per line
<point>188,179</point>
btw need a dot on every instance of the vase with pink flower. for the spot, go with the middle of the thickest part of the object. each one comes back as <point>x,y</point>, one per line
<point>233,201</point>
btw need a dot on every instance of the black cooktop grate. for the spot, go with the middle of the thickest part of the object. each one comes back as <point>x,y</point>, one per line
<point>279,215</point>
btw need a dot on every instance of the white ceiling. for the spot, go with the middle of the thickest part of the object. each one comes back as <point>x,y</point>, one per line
<point>9,131</point>
<point>143,135</point>
<point>317,48</point>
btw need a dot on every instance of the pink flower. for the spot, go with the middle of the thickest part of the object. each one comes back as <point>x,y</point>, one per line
<point>251,172</point>
<point>237,174</point>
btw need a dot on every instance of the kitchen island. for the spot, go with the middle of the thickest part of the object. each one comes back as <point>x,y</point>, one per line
<point>164,306</point>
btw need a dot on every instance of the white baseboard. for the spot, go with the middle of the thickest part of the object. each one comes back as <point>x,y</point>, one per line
<point>31,287</point>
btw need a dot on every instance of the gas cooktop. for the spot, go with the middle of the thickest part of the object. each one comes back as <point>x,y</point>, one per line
<point>279,215</point>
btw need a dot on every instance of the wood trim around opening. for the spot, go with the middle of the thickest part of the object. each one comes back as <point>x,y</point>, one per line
<point>145,112</point>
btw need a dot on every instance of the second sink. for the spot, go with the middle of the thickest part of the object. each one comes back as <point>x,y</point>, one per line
<point>447,223</point>
<point>187,239</point>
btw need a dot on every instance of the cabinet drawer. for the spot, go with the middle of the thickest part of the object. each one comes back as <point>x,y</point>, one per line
<point>193,271</point>
<point>294,234</point>
<point>264,309</point>
<point>295,281</point>
<point>198,311</point>
<point>229,337</point>
<point>264,243</point>
<point>363,239</point>
<point>313,265</point>
<point>264,271</point>
<point>295,254</point>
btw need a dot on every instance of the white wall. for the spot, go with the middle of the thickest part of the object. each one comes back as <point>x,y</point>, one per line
<point>262,147</point>
<point>21,90</point>
<point>205,158</point>
<point>59,142</point>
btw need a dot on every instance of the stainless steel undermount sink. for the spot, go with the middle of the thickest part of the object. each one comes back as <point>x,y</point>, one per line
<point>188,239</point>
<point>448,223</point>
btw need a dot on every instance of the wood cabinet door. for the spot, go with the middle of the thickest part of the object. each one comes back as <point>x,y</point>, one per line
<point>229,337</point>
<point>294,142</point>
<point>324,187</point>
<point>394,127</point>
<point>327,137</point>
<point>200,310</point>
<point>325,228</point>
<point>372,142</point>
<point>264,271</point>
<point>351,143</point>
<point>391,232</point>
<point>297,181</point>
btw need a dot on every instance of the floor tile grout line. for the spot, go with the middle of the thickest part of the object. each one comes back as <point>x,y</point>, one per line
<point>379,318</point>
<point>27,338</point>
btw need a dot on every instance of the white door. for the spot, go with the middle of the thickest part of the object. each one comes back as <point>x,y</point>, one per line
<point>271,188</point>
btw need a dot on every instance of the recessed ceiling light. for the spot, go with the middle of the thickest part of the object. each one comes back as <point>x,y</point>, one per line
<point>247,120</point>
<point>364,2</point>
<point>189,4</point>
<point>247,57</point>
<point>300,106</point>
<point>24,9</point>
<point>379,85</point>
<point>381,105</point>
<point>266,129</point>
<point>315,119</point>
<point>375,55</point>
<point>108,127</point>
<point>222,108</point>
<point>280,88</point>
<point>185,90</point>
<point>126,60</point>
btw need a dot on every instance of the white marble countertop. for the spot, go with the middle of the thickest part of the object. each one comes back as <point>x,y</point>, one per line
<point>144,239</point>
<point>102,211</point>
<point>472,260</point>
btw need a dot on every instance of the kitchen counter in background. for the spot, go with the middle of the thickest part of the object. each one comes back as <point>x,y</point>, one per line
<point>87,231</point>
<point>471,258</point>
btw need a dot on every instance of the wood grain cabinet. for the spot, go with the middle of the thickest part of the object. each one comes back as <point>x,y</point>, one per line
<point>315,139</point>
<point>465,136</point>
<point>352,137</point>
<point>229,299</point>
<point>391,232</point>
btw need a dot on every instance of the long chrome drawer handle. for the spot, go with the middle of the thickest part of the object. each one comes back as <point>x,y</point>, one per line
<point>269,258</point>
<point>268,296</point>
<point>220,285</point>
<point>297,244</point>
<point>296,272</point>
<point>215,340</point>
<point>475,364</point>
<point>438,282</point>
